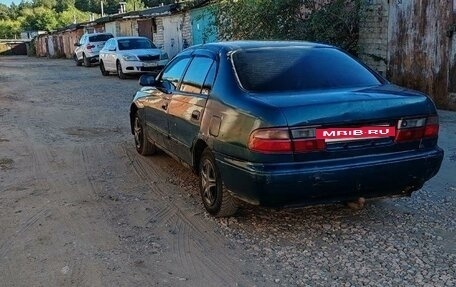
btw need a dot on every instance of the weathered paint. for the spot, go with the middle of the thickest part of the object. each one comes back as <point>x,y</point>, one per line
<point>419,48</point>
<point>203,28</point>
<point>110,27</point>
<point>413,43</point>
<point>128,27</point>
<point>145,28</point>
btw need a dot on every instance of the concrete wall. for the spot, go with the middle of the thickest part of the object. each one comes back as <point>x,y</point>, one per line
<point>12,48</point>
<point>176,23</point>
<point>158,35</point>
<point>373,35</point>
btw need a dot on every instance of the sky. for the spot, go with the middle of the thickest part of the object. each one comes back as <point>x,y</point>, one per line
<point>8,2</point>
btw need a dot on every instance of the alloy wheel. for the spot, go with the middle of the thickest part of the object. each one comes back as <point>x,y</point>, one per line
<point>209,183</point>
<point>137,129</point>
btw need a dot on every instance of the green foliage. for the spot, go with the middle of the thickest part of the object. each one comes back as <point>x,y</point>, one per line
<point>47,15</point>
<point>4,12</point>
<point>44,3</point>
<point>334,23</point>
<point>134,5</point>
<point>10,29</point>
<point>72,15</point>
<point>63,5</point>
<point>41,19</point>
<point>153,3</point>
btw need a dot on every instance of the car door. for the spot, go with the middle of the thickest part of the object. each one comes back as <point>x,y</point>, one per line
<point>156,105</point>
<point>80,49</point>
<point>109,57</point>
<point>187,104</point>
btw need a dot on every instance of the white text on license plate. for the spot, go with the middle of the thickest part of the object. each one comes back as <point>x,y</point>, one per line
<point>340,134</point>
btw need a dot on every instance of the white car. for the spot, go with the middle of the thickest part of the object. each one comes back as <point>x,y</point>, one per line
<point>88,47</point>
<point>131,55</point>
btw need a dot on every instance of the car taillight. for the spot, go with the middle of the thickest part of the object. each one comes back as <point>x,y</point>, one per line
<point>270,141</point>
<point>304,140</point>
<point>90,46</point>
<point>432,127</point>
<point>279,141</point>
<point>417,129</point>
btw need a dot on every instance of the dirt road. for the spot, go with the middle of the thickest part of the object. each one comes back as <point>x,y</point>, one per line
<point>79,207</point>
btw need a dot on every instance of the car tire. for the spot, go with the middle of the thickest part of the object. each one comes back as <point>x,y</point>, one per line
<point>78,63</point>
<point>216,198</point>
<point>86,61</point>
<point>121,74</point>
<point>143,145</point>
<point>103,70</point>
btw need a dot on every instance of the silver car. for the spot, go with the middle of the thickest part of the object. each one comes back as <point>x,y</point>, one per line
<point>88,48</point>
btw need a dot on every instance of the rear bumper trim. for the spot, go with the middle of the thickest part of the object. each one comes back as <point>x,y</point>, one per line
<point>284,184</point>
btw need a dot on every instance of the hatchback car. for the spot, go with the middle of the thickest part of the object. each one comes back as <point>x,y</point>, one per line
<point>131,55</point>
<point>286,124</point>
<point>88,48</point>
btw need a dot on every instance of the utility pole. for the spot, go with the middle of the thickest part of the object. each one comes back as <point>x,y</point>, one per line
<point>102,8</point>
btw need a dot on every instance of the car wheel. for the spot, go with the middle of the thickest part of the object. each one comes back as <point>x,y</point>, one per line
<point>216,198</point>
<point>78,63</point>
<point>103,70</point>
<point>86,61</point>
<point>119,71</point>
<point>142,144</point>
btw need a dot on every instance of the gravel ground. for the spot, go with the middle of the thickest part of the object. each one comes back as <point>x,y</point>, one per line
<point>78,206</point>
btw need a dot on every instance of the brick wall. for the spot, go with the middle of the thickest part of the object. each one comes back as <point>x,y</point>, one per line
<point>158,35</point>
<point>187,28</point>
<point>373,34</point>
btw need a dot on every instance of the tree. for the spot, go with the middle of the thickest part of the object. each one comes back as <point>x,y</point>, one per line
<point>334,23</point>
<point>44,3</point>
<point>63,5</point>
<point>4,12</point>
<point>154,3</point>
<point>68,17</point>
<point>134,5</point>
<point>42,19</point>
<point>10,29</point>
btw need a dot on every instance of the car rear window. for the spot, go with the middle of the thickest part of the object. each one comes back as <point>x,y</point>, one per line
<point>100,38</point>
<point>285,69</point>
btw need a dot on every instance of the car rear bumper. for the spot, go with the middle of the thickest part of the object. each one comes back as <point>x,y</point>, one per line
<point>92,57</point>
<point>307,183</point>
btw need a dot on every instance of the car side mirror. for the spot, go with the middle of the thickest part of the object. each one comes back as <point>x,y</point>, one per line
<point>147,80</point>
<point>167,86</point>
<point>77,44</point>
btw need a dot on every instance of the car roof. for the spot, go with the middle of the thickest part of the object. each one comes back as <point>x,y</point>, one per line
<point>245,45</point>
<point>94,34</point>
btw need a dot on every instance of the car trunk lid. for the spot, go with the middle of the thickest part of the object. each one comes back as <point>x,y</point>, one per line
<point>348,110</point>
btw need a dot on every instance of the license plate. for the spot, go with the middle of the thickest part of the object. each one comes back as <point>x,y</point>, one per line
<point>347,134</point>
<point>150,64</point>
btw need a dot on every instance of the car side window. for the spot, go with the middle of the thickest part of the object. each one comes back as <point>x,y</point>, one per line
<point>209,81</point>
<point>196,74</point>
<point>110,44</point>
<point>81,41</point>
<point>173,73</point>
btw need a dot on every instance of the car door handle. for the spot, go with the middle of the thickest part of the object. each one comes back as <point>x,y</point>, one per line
<point>196,115</point>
